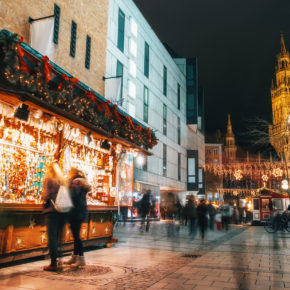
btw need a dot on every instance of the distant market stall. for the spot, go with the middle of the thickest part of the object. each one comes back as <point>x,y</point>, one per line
<point>45,115</point>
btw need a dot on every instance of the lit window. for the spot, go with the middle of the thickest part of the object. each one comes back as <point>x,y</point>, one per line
<point>132,68</point>
<point>132,89</point>
<point>134,27</point>
<point>133,47</point>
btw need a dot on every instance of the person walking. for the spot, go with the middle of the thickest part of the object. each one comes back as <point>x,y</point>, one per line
<point>226,216</point>
<point>202,219</point>
<point>190,210</point>
<point>78,188</point>
<point>144,210</point>
<point>54,220</point>
<point>212,212</point>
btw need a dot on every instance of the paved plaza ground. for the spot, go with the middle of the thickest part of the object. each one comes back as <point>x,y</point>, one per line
<point>245,257</point>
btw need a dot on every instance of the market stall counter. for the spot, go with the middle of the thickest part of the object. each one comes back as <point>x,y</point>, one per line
<point>23,231</point>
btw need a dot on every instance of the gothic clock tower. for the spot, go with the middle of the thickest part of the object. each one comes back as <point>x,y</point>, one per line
<point>280,96</point>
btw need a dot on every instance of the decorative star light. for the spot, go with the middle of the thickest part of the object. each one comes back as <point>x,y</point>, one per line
<point>238,174</point>
<point>277,172</point>
<point>18,241</point>
<point>32,223</point>
<point>43,237</point>
<point>106,229</point>
<point>265,177</point>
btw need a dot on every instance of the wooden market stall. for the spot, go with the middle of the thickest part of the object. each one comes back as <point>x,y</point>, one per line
<point>47,115</point>
<point>266,201</point>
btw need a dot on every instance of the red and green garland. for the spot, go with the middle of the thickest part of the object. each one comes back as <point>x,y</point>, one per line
<point>23,71</point>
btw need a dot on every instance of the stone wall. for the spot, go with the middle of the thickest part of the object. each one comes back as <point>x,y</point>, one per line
<point>91,17</point>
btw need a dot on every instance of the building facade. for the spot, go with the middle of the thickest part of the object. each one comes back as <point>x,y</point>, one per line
<point>280,96</point>
<point>161,92</point>
<point>80,33</point>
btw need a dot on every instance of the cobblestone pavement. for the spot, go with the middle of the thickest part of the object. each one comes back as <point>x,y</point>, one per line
<point>242,258</point>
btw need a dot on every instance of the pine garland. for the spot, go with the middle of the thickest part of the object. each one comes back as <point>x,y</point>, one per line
<point>29,74</point>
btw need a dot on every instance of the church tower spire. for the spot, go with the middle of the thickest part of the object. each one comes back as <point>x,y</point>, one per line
<point>283,47</point>
<point>230,147</point>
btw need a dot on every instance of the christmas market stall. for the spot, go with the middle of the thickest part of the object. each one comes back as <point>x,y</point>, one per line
<point>46,115</point>
<point>267,201</point>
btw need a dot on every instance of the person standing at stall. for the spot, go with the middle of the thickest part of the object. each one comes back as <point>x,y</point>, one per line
<point>78,188</point>
<point>54,220</point>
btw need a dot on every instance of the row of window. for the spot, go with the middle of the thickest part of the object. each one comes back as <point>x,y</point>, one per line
<point>73,37</point>
<point>164,162</point>
<point>120,45</point>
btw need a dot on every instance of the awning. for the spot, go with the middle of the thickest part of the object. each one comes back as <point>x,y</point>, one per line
<point>33,79</point>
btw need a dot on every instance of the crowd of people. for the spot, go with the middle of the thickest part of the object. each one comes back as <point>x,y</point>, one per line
<point>202,215</point>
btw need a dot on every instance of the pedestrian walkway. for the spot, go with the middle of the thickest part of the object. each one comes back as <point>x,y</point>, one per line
<point>242,258</point>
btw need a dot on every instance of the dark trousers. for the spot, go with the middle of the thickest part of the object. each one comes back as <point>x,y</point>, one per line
<point>143,222</point>
<point>75,226</point>
<point>54,223</point>
<point>225,222</point>
<point>192,225</point>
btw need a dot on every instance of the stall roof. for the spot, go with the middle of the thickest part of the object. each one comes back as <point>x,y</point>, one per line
<point>272,192</point>
<point>58,91</point>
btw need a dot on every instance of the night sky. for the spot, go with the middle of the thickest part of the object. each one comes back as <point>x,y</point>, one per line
<point>236,42</point>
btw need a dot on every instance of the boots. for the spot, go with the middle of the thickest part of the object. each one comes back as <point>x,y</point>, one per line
<point>72,260</point>
<point>52,267</point>
<point>80,261</point>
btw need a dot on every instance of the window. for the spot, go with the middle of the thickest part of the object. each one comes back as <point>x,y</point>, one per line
<point>145,104</point>
<point>191,172</point>
<point>164,119</point>
<point>178,96</point>
<point>88,53</point>
<point>164,80</point>
<point>164,160</point>
<point>179,166</point>
<point>178,131</point>
<point>56,23</point>
<point>73,39</point>
<point>200,178</point>
<point>119,72</point>
<point>146,60</point>
<point>145,166</point>
<point>121,30</point>
<point>134,27</point>
<point>215,152</point>
<point>132,89</point>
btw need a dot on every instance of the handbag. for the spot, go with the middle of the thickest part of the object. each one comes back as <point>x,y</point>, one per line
<point>63,202</point>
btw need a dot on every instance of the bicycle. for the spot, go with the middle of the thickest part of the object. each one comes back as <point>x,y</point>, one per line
<point>278,222</point>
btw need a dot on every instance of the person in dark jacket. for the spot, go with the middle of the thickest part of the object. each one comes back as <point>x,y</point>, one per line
<point>54,220</point>
<point>145,209</point>
<point>212,212</point>
<point>202,219</point>
<point>78,188</point>
<point>190,211</point>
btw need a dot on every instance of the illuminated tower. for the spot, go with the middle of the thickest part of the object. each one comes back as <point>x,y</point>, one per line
<point>230,147</point>
<point>280,96</point>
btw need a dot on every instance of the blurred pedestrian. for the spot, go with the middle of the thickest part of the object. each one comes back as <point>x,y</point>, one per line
<point>54,220</point>
<point>244,215</point>
<point>190,211</point>
<point>144,210</point>
<point>78,188</point>
<point>236,215</point>
<point>218,220</point>
<point>212,212</point>
<point>202,219</point>
<point>226,216</point>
